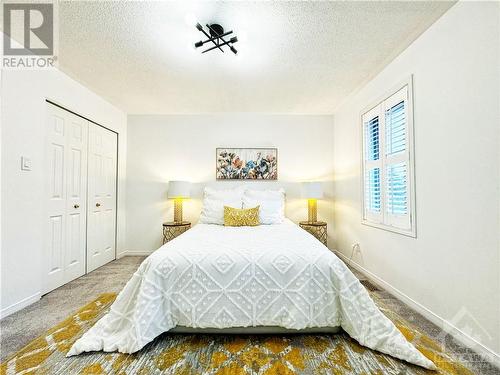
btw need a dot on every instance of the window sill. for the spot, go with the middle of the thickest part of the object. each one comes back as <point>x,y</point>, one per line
<point>408,233</point>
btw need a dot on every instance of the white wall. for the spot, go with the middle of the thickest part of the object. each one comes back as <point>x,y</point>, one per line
<point>163,148</point>
<point>452,267</point>
<point>23,110</point>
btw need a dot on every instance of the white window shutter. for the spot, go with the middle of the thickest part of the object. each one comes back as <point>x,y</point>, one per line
<point>388,191</point>
<point>373,191</point>
<point>372,166</point>
<point>395,129</point>
<point>396,160</point>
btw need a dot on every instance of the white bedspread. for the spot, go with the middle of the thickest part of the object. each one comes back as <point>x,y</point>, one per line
<point>270,275</point>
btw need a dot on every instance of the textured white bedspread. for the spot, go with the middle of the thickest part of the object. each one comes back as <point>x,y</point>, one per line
<point>270,275</point>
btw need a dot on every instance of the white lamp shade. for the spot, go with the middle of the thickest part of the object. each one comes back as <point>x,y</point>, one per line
<point>312,190</point>
<point>179,189</point>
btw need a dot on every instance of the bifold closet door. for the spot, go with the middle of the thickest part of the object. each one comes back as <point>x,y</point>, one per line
<point>101,239</point>
<point>67,193</point>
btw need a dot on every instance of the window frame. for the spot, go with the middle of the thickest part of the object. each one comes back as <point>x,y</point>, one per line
<point>377,221</point>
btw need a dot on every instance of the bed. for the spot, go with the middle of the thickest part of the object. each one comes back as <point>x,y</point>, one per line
<point>265,278</point>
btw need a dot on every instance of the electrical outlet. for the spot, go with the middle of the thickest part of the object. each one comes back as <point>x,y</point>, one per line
<point>25,163</point>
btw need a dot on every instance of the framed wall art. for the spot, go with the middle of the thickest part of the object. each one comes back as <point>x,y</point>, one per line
<point>247,163</point>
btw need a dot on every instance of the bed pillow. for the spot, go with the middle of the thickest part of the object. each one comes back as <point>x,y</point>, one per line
<point>241,217</point>
<point>212,211</point>
<point>271,202</point>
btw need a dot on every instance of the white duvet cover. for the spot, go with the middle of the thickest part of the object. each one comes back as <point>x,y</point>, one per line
<point>220,277</point>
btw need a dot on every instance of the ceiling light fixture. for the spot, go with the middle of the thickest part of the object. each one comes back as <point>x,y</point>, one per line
<point>216,36</point>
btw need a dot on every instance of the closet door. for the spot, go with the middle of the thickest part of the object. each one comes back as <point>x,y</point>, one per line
<point>66,188</point>
<point>103,146</point>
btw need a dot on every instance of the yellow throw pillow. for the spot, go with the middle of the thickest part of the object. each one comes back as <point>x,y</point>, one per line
<point>237,217</point>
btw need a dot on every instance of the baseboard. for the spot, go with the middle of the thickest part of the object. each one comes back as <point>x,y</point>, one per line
<point>19,305</point>
<point>132,254</point>
<point>454,331</point>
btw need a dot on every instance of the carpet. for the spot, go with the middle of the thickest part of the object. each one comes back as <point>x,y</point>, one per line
<point>222,354</point>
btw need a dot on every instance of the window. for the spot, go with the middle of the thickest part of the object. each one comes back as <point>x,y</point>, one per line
<point>388,183</point>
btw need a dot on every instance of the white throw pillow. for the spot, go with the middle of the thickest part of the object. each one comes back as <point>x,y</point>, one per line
<point>271,202</point>
<point>214,201</point>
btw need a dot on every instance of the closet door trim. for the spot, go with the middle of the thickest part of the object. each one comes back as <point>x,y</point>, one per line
<point>79,115</point>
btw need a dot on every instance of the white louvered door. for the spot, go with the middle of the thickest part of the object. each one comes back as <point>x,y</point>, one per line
<point>103,146</point>
<point>67,194</point>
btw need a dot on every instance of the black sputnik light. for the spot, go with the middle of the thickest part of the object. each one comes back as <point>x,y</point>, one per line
<point>216,36</point>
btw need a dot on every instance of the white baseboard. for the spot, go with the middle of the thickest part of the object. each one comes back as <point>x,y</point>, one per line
<point>132,253</point>
<point>455,332</point>
<point>20,305</point>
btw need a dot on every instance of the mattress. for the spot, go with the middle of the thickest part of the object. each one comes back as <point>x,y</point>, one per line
<point>217,277</point>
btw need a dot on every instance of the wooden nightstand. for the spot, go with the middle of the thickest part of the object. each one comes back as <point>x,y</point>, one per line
<point>317,229</point>
<point>172,229</point>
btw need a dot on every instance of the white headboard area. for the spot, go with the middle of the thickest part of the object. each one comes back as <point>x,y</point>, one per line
<point>295,207</point>
<point>292,189</point>
<point>183,147</point>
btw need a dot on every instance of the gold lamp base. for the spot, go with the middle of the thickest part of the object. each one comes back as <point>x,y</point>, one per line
<point>178,210</point>
<point>312,210</point>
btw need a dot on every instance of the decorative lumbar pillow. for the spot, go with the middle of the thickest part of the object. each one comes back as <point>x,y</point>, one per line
<point>271,202</point>
<point>241,217</point>
<point>212,211</point>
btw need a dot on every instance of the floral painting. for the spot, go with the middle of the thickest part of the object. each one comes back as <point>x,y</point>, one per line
<point>247,164</point>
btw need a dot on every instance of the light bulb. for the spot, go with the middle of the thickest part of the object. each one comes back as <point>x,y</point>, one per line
<point>192,47</point>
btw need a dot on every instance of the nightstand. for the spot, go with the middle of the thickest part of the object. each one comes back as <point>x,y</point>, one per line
<point>317,229</point>
<point>172,229</point>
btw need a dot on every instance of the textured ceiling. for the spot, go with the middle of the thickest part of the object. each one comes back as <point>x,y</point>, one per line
<point>296,57</point>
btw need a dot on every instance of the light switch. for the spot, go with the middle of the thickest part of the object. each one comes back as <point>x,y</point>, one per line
<point>25,163</point>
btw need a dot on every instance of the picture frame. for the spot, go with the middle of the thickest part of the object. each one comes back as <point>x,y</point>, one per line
<point>246,163</point>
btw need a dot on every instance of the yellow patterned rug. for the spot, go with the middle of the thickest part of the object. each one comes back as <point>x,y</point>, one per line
<point>221,354</point>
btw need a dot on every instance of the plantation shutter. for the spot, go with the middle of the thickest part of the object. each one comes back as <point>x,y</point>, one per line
<point>372,166</point>
<point>396,160</point>
<point>387,132</point>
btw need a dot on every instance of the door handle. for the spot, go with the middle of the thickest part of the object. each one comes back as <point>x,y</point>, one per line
<point>76,206</point>
<point>98,205</point>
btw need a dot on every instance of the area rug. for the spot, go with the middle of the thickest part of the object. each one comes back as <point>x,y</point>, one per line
<point>336,354</point>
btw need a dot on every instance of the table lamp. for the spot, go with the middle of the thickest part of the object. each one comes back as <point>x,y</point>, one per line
<point>312,191</point>
<point>178,190</point>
